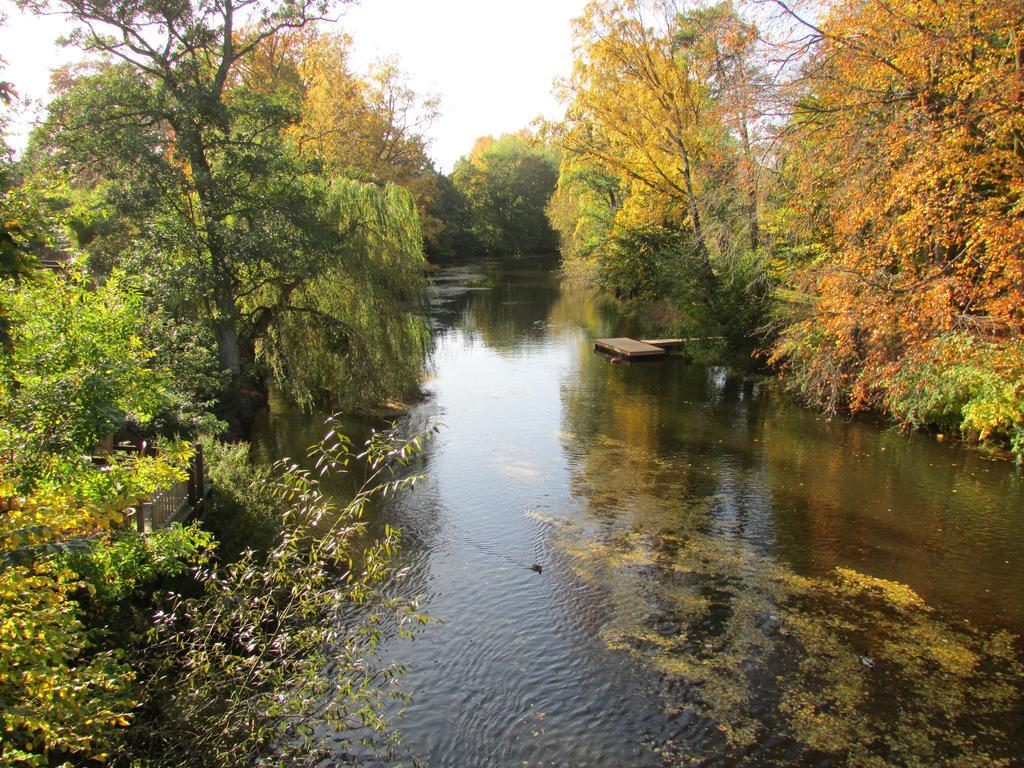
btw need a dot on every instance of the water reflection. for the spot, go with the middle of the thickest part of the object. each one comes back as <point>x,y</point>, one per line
<point>844,669</point>
<point>727,578</point>
<point>818,493</point>
<point>758,555</point>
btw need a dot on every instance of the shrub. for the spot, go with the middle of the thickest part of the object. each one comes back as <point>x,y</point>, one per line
<point>273,661</point>
<point>963,383</point>
<point>61,697</point>
<point>126,565</point>
<point>240,509</point>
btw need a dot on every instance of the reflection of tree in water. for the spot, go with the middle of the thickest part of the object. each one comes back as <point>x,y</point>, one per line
<point>663,411</point>
<point>841,668</point>
<point>508,316</point>
<point>699,492</point>
<point>853,494</point>
<point>580,306</point>
<point>504,304</point>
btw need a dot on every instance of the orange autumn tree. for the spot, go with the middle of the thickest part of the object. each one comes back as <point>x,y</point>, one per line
<point>913,123</point>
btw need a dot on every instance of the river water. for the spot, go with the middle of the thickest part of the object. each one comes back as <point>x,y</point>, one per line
<point>725,578</point>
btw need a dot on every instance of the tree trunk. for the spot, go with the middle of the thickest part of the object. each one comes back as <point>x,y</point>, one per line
<point>228,348</point>
<point>238,406</point>
<point>707,277</point>
<point>208,219</point>
<point>752,186</point>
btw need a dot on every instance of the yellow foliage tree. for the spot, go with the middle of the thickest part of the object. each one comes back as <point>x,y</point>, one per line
<point>369,127</point>
<point>666,101</point>
<point>636,111</point>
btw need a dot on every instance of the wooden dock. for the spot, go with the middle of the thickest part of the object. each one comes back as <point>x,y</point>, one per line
<point>665,344</point>
<point>628,349</point>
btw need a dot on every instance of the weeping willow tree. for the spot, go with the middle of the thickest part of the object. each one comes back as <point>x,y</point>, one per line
<point>356,333</point>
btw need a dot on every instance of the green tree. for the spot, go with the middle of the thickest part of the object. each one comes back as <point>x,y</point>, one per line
<point>167,116</point>
<point>76,373</point>
<point>450,206</point>
<point>199,168</point>
<point>354,332</point>
<point>507,183</point>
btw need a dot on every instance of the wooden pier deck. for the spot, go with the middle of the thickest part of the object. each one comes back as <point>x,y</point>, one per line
<point>664,343</point>
<point>629,349</point>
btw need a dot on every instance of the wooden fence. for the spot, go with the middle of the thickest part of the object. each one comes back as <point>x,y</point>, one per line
<point>175,504</point>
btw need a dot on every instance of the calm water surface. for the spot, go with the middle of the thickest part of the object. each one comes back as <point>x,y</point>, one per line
<point>728,579</point>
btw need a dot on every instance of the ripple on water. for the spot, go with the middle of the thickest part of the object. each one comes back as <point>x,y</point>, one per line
<point>727,579</point>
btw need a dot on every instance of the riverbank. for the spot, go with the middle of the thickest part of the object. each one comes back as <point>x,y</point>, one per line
<point>937,405</point>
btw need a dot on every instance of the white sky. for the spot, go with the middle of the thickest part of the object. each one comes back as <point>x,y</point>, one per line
<point>492,63</point>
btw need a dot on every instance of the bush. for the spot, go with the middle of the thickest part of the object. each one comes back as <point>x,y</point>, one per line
<point>273,661</point>
<point>62,697</point>
<point>126,566</point>
<point>240,510</point>
<point>963,383</point>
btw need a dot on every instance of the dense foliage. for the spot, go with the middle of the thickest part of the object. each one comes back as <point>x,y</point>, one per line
<point>843,193</point>
<point>183,230</point>
<point>74,372</point>
<point>912,125</point>
<point>85,674</point>
<point>658,192</point>
<point>493,204</point>
<point>355,333</point>
<point>185,162</point>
